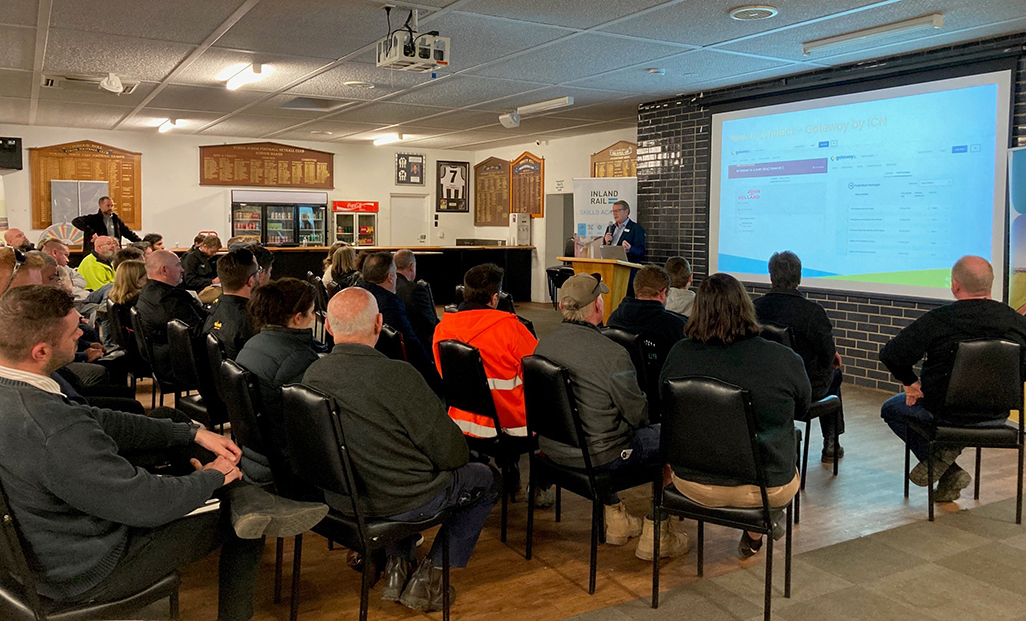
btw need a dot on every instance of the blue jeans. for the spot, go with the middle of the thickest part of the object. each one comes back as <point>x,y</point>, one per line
<point>644,451</point>
<point>471,496</point>
<point>897,416</point>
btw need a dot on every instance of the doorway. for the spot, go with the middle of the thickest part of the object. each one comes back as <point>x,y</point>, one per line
<point>410,219</point>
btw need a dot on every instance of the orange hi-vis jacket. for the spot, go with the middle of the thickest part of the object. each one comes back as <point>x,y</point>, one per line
<point>503,341</point>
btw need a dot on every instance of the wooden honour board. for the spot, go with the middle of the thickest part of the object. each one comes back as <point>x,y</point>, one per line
<point>527,185</point>
<point>87,161</point>
<point>491,192</point>
<point>266,164</point>
<point>618,160</point>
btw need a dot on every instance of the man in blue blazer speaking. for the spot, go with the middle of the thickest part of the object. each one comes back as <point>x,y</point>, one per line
<point>627,233</point>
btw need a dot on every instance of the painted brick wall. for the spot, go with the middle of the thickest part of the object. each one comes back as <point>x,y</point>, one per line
<point>673,206</point>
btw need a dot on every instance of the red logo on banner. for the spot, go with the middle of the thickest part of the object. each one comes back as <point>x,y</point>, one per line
<point>365,206</point>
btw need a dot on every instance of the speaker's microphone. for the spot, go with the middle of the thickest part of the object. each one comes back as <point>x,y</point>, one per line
<point>611,228</point>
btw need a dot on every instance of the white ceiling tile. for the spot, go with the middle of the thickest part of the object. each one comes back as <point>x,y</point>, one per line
<point>284,69</point>
<point>582,97</point>
<point>745,78</point>
<point>213,99</point>
<point>332,83</point>
<point>454,141</point>
<point>388,113</point>
<point>572,13</point>
<point>477,39</point>
<point>21,12</point>
<point>460,91</point>
<point>151,118</point>
<point>607,111</point>
<point>15,83</point>
<point>17,47</point>
<point>97,96</point>
<point>576,58</point>
<point>14,110</point>
<point>63,114</point>
<point>165,20</point>
<point>337,129</point>
<point>248,125</point>
<point>70,51</point>
<point>458,119</point>
<point>272,107</point>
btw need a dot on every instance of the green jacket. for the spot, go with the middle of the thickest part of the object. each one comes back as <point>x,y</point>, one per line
<point>96,272</point>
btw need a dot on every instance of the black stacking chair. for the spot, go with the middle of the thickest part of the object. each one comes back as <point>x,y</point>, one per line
<point>986,382</point>
<point>320,457</point>
<point>123,339</point>
<point>390,342</point>
<point>640,350</point>
<point>466,388</point>
<point>215,356</point>
<point>19,600</point>
<point>552,414</point>
<point>320,304</point>
<point>556,276</point>
<point>161,380</point>
<point>186,374</point>
<point>702,412</point>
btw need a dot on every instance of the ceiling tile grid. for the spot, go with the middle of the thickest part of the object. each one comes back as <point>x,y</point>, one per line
<point>17,47</point>
<point>73,51</point>
<point>182,22</point>
<point>20,12</point>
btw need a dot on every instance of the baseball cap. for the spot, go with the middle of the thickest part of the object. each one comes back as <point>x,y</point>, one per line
<point>583,288</point>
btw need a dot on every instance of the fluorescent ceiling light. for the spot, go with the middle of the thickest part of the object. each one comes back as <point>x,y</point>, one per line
<point>544,106</point>
<point>387,139</point>
<point>935,20</point>
<point>251,73</point>
<point>168,125</point>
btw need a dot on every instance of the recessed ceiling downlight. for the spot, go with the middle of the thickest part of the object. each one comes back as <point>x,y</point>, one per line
<point>753,12</point>
<point>358,84</point>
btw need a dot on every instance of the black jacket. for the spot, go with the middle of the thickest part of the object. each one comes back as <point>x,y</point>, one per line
<point>393,312</point>
<point>403,444</point>
<point>651,320</point>
<point>937,335</point>
<point>93,225</point>
<point>200,271</point>
<point>158,304</point>
<point>813,333</point>
<point>420,307</point>
<point>230,323</point>
<point>633,234</point>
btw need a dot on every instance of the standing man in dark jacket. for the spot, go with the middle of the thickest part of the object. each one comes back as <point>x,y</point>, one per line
<point>936,335</point>
<point>410,458</point>
<point>785,306</point>
<point>103,222</point>
<point>228,320</point>
<point>627,233</point>
<point>162,300</point>
<point>416,295</point>
<point>200,265</point>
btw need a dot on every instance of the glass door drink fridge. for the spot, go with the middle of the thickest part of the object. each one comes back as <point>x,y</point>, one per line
<point>311,225</point>
<point>247,221</point>
<point>355,222</point>
<point>278,218</point>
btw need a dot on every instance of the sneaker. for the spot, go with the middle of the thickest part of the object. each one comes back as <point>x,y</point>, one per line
<point>544,498</point>
<point>620,525</point>
<point>942,460</point>
<point>256,513</point>
<point>397,574</point>
<point>828,451</point>
<point>950,486</point>
<point>747,547</point>
<point>671,543</point>
<point>424,590</point>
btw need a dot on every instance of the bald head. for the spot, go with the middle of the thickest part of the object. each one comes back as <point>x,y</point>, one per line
<point>353,317</point>
<point>972,277</point>
<point>105,247</point>
<point>164,266</point>
<point>15,238</point>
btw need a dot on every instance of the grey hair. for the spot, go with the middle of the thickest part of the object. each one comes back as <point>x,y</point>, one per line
<point>573,311</point>
<point>357,319</point>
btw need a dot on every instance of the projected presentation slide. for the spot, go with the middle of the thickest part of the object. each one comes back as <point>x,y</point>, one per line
<point>879,191</point>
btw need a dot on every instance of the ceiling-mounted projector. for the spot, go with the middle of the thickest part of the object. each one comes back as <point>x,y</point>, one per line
<point>510,119</point>
<point>422,53</point>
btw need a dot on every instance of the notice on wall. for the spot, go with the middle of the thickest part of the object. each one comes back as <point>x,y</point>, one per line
<point>266,164</point>
<point>618,160</point>
<point>87,161</point>
<point>491,192</point>
<point>453,191</point>
<point>527,185</point>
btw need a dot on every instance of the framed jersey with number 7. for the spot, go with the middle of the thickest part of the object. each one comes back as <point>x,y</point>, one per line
<point>453,194</point>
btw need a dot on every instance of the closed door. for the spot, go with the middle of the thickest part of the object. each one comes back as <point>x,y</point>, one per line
<point>409,220</point>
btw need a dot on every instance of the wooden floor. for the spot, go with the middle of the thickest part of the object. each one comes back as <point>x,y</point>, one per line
<point>865,498</point>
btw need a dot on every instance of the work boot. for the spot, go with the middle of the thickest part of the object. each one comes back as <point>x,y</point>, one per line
<point>942,460</point>
<point>829,448</point>
<point>397,573</point>
<point>950,486</point>
<point>620,525</point>
<point>424,590</point>
<point>544,498</point>
<point>256,513</point>
<point>671,543</point>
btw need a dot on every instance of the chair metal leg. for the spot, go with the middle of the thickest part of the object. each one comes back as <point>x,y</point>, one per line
<point>297,563</point>
<point>445,573</point>
<point>929,470</point>
<point>505,501</point>
<point>172,604</point>
<point>701,549</point>
<point>787,555</point>
<point>837,439</point>
<point>331,545</point>
<point>797,506</point>
<point>530,517</point>
<point>907,459</point>
<point>368,564</point>
<point>596,524</point>
<point>768,595</point>
<point>805,454</point>
<point>279,558</point>
<point>1018,490</point>
<point>559,503</point>
<point>976,479</point>
<point>655,555</point>
<point>153,394</point>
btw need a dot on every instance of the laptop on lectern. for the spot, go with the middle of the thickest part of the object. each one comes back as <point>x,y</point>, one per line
<point>613,252</point>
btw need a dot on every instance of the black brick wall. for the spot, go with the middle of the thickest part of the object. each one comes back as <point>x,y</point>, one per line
<point>673,206</point>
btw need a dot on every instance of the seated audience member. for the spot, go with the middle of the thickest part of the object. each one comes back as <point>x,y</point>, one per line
<point>161,300</point>
<point>155,240</point>
<point>416,295</point>
<point>129,280</point>
<point>379,278</point>
<point>198,240</point>
<point>680,298</point>
<point>329,258</point>
<point>813,334</point>
<point>15,238</point>
<point>936,335</point>
<point>18,270</point>
<point>342,269</point>
<point>68,279</point>
<point>265,259</point>
<point>612,408</point>
<point>141,246</point>
<point>96,267</point>
<point>228,320</point>
<point>409,455</point>
<point>96,527</point>
<point>48,273</point>
<point>200,265</point>
<point>723,342</point>
<point>645,313</point>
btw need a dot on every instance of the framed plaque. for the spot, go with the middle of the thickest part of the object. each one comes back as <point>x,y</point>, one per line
<point>409,168</point>
<point>527,185</point>
<point>266,164</point>
<point>453,190</point>
<point>491,192</point>
<point>618,160</point>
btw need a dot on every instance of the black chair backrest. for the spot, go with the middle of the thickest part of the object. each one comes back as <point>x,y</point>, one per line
<point>633,344</point>
<point>117,331</point>
<point>141,342</point>
<point>320,293</point>
<point>330,288</point>
<point>985,379</point>
<point>237,384</point>
<point>458,296</point>
<point>550,404</point>
<point>215,355</point>
<point>464,380</point>
<point>16,577</point>
<point>701,414</point>
<point>183,358</point>
<point>390,342</point>
<point>777,334</point>
<point>506,303</point>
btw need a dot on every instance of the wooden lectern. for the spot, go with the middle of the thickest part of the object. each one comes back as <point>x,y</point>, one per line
<point>615,274</point>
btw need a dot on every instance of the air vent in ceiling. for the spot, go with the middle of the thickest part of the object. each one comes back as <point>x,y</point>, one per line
<point>754,12</point>
<point>79,83</point>
<point>314,104</point>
